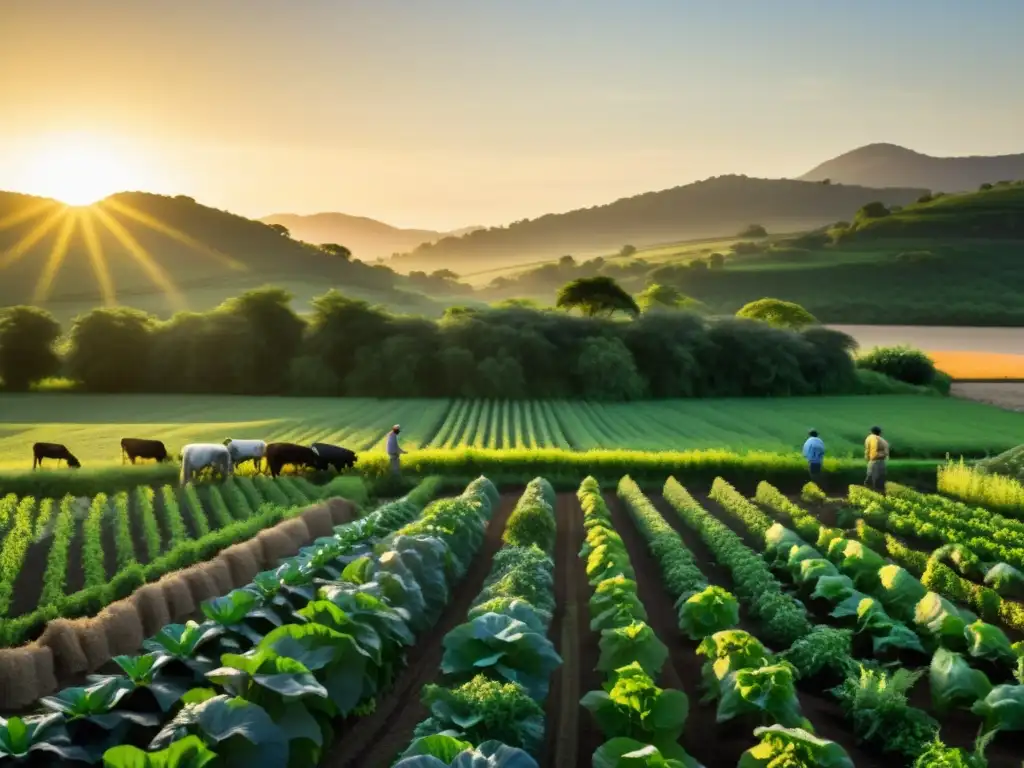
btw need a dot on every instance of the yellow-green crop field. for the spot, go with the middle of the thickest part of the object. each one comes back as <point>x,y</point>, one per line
<point>91,426</point>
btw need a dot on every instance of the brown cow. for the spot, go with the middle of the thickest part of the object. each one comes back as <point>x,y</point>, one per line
<point>279,454</point>
<point>139,448</point>
<point>56,451</point>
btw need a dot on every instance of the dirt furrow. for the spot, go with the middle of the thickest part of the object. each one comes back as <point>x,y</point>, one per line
<point>570,736</point>
<point>376,739</point>
<point>711,744</point>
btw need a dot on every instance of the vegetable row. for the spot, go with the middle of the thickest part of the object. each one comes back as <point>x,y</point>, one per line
<point>741,674</point>
<point>863,587</point>
<point>496,667</point>
<point>240,508</point>
<point>260,681</point>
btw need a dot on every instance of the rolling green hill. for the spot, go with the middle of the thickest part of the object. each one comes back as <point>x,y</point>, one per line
<point>951,260</point>
<point>162,254</point>
<point>712,208</point>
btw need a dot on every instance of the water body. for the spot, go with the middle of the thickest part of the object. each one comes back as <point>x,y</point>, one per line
<point>1007,341</point>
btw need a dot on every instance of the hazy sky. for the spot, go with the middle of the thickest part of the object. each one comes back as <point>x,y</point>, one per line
<point>443,113</point>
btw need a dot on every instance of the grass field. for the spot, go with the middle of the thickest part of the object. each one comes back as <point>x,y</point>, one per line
<point>93,425</point>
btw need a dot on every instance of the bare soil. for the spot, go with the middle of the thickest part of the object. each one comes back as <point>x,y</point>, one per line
<point>1009,395</point>
<point>378,738</point>
<point>571,735</point>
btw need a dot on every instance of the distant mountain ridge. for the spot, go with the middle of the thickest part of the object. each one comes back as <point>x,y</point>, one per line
<point>367,238</point>
<point>716,207</point>
<point>890,165</point>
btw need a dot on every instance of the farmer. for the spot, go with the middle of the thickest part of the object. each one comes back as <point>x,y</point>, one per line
<point>394,451</point>
<point>814,452</point>
<point>876,452</point>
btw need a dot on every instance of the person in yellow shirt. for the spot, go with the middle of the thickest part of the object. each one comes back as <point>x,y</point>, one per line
<point>876,453</point>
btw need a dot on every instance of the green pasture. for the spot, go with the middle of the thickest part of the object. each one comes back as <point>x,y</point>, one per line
<point>93,425</point>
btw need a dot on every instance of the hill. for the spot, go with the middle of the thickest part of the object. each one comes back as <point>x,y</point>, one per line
<point>988,214</point>
<point>889,165</point>
<point>368,239</point>
<point>162,253</point>
<point>711,208</point>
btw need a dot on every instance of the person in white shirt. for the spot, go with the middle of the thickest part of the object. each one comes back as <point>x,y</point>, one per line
<point>394,451</point>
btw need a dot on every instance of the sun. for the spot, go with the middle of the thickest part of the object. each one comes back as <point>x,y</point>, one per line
<point>79,169</point>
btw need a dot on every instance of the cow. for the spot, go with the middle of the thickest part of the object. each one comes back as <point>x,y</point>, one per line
<point>56,451</point>
<point>247,450</point>
<point>197,456</point>
<point>280,454</point>
<point>134,448</point>
<point>334,456</point>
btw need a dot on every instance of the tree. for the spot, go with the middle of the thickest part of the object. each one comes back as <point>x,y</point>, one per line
<point>754,230</point>
<point>336,250</point>
<point>110,349</point>
<point>596,296</point>
<point>779,313</point>
<point>627,251</point>
<point>716,260</point>
<point>875,210</point>
<point>656,296</point>
<point>281,229</point>
<point>567,262</point>
<point>27,335</point>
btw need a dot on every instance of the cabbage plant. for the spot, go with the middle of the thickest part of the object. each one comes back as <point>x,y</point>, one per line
<point>704,613</point>
<point>782,747</point>
<point>632,705</point>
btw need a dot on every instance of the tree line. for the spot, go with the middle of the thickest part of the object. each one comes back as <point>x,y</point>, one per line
<point>256,344</point>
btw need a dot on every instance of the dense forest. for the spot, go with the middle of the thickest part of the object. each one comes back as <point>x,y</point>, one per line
<point>257,344</point>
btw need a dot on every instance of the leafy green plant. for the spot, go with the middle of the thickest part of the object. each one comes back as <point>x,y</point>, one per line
<point>876,703</point>
<point>240,732</point>
<point>825,650</point>
<point>238,611</point>
<point>501,646</point>
<point>704,613</point>
<point>941,620</point>
<point>1002,708</point>
<point>954,683</point>
<point>782,747</point>
<point>144,496</point>
<point>483,709</point>
<point>55,577</point>
<point>615,604</point>
<point>92,542</point>
<point>532,522</point>
<point>768,691</point>
<point>437,751</point>
<point>938,755</point>
<point>535,619</point>
<point>985,641</point>
<point>144,672</point>
<point>632,705</point>
<point>728,651</point>
<point>190,752</point>
<point>20,737</point>
<point>635,642</point>
<point>184,641</point>
<point>623,752</point>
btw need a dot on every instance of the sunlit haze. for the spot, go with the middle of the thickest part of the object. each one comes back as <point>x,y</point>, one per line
<point>453,113</point>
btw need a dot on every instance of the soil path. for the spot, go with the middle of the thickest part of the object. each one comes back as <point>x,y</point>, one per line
<point>378,738</point>
<point>712,745</point>
<point>571,735</point>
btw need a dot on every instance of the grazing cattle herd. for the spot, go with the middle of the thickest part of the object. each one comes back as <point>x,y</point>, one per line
<point>221,458</point>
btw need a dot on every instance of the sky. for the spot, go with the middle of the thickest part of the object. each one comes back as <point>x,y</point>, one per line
<point>450,113</point>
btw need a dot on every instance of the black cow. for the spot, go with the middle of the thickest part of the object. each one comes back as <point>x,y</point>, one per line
<point>134,448</point>
<point>56,451</point>
<point>279,454</point>
<point>334,456</point>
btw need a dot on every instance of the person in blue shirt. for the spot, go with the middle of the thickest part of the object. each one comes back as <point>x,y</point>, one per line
<point>814,452</point>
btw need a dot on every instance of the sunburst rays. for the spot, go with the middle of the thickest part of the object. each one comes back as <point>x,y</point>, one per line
<point>73,220</point>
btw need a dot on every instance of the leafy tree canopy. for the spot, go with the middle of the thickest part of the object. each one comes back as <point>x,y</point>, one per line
<point>596,297</point>
<point>781,314</point>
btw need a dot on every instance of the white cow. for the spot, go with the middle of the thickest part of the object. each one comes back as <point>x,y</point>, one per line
<point>197,456</point>
<point>247,450</point>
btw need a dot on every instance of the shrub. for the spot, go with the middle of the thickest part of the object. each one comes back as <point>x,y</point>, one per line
<point>901,363</point>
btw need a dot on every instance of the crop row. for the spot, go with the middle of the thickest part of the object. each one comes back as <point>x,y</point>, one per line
<point>1003,492</point>
<point>497,665</point>
<point>261,680</point>
<point>149,533</point>
<point>740,673</point>
<point>862,587</point>
<point>991,588</point>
